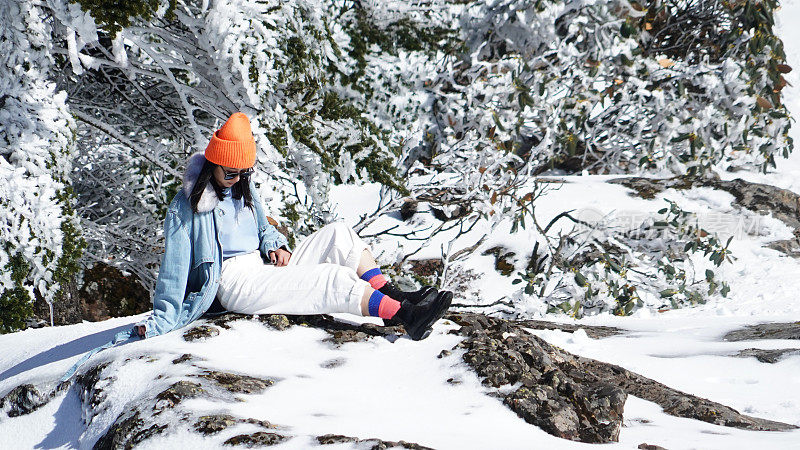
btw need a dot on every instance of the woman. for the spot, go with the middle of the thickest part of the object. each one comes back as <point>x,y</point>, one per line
<point>219,245</point>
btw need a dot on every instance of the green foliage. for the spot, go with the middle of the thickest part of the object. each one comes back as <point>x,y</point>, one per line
<point>696,239</point>
<point>364,151</point>
<point>298,54</point>
<point>114,15</point>
<point>15,307</point>
<point>401,34</point>
<point>713,32</point>
<point>681,86</point>
<point>15,302</point>
<point>277,137</point>
<point>608,275</point>
<point>381,169</point>
<point>72,245</point>
<point>293,223</point>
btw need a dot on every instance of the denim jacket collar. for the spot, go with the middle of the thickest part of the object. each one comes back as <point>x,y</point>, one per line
<point>208,201</point>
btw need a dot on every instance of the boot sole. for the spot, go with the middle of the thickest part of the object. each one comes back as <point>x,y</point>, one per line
<point>427,326</point>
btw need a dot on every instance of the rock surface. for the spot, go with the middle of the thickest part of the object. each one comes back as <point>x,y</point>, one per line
<point>768,356</point>
<point>372,444</point>
<point>570,396</point>
<point>200,332</point>
<point>151,416</point>
<point>66,307</point>
<point>790,330</point>
<point>549,397</point>
<point>215,423</point>
<point>127,431</point>
<point>503,259</point>
<point>593,331</point>
<point>646,446</point>
<point>22,400</point>
<point>240,384</point>
<point>103,292</point>
<point>257,439</point>
<point>107,292</point>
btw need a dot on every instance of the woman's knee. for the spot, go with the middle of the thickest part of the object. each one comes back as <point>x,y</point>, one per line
<point>338,228</point>
<point>339,232</point>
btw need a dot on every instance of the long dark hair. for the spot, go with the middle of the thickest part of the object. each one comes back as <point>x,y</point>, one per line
<point>239,190</point>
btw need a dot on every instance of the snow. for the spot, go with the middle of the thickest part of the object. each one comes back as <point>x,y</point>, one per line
<point>400,391</point>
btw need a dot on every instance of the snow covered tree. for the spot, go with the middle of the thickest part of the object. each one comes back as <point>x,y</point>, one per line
<point>149,85</point>
<point>39,232</point>
<point>479,96</point>
<point>616,86</point>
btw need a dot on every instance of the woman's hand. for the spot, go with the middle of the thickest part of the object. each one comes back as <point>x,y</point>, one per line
<point>279,257</point>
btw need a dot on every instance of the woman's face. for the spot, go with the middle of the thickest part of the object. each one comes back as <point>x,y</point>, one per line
<point>221,171</point>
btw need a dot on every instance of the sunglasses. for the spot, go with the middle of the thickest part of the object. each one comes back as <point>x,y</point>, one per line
<point>243,173</point>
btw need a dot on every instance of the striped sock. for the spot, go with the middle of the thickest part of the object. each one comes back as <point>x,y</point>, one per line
<point>383,306</point>
<point>375,278</point>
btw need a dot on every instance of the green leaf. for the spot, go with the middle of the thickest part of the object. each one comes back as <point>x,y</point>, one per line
<point>529,289</point>
<point>497,121</point>
<point>628,308</point>
<point>682,137</point>
<point>709,274</point>
<point>580,279</point>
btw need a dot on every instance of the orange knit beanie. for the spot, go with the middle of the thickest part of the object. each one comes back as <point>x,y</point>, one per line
<point>233,145</point>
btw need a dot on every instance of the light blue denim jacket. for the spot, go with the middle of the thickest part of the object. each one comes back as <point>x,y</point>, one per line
<point>190,268</point>
<point>192,263</point>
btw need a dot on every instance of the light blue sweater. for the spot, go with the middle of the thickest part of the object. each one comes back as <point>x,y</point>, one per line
<point>238,232</point>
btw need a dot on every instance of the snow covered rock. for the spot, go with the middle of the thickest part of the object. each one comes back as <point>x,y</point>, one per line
<point>373,444</point>
<point>22,400</point>
<point>544,393</point>
<point>156,414</point>
<point>208,390</point>
<point>768,356</point>
<point>766,331</point>
<point>570,396</point>
<point>200,332</point>
<point>762,198</point>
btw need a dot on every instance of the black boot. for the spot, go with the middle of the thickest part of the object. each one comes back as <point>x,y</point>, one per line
<point>417,319</point>
<point>413,297</point>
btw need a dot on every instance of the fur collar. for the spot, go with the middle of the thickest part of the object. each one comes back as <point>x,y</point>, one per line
<point>208,201</point>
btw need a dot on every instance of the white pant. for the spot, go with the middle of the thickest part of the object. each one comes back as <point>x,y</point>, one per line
<point>319,279</point>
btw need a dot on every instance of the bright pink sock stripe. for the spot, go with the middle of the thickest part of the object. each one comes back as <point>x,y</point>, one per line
<point>378,281</point>
<point>388,307</point>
